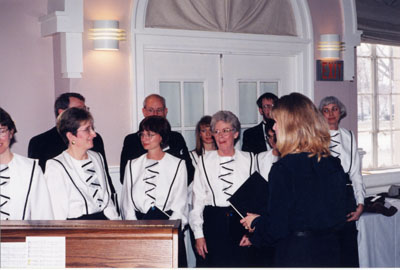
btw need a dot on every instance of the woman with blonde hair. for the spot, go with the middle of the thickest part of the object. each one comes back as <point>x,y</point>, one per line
<point>307,191</point>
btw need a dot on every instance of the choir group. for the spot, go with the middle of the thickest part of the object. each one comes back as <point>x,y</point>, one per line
<point>311,165</point>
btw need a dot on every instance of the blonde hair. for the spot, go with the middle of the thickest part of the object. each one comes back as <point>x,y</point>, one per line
<point>301,127</point>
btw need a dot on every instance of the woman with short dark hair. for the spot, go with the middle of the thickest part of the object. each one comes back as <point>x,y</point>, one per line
<point>77,178</point>
<point>155,184</point>
<point>23,190</point>
<point>266,159</point>
<point>155,179</point>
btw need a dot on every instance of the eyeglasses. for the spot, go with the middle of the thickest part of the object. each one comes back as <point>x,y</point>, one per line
<point>147,135</point>
<point>224,132</point>
<point>88,129</point>
<point>268,106</point>
<point>3,132</point>
<point>157,111</point>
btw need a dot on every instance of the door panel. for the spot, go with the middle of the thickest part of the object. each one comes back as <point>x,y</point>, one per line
<point>266,71</point>
<point>191,84</point>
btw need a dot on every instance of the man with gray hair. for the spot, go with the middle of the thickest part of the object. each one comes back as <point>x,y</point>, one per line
<point>155,105</point>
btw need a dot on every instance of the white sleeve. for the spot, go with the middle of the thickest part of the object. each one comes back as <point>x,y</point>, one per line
<point>355,174</point>
<point>58,189</point>
<point>199,196</point>
<point>40,207</point>
<point>127,208</point>
<point>178,195</point>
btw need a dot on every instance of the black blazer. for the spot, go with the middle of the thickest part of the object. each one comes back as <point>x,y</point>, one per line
<point>177,147</point>
<point>50,144</point>
<point>254,140</point>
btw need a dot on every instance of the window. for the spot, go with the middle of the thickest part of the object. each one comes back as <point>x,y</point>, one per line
<point>187,97</point>
<point>378,77</point>
<point>249,91</point>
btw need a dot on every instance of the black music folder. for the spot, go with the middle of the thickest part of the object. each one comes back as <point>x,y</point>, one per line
<point>251,196</point>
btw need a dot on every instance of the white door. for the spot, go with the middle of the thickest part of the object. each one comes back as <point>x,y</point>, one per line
<point>196,84</point>
<point>246,77</point>
<point>190,83</point>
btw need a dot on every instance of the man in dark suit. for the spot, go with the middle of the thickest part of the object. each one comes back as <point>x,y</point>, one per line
<point>255,139</point>
<point>155,105</point>
<point>50,144</point>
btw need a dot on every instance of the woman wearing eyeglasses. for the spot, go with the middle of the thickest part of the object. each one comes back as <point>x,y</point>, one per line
<point>155,184</point>
<point>344,146</point>
<point>23,191</point>
<point>155,179</point>
<point>218,175</point>
<point>77,178</point>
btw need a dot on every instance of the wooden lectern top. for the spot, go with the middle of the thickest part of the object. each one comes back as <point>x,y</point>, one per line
<point>105,243</point>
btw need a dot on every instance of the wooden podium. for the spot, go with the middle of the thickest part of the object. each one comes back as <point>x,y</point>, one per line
<point>111,243</point>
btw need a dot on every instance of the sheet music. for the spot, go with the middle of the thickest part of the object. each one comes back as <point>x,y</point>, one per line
<point>13,255</point>
<point>46,252</point>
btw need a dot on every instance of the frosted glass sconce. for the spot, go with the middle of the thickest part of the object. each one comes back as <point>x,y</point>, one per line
<point>106,35</point>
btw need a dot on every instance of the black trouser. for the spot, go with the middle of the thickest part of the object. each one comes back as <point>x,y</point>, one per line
<point>223,232</point>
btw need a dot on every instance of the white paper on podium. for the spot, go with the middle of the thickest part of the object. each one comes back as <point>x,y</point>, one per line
<point>13,255</point>
<point>46,252</point>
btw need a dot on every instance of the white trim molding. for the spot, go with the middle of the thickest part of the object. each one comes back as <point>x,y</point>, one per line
<point>172,40</point>
<point>69,23</point>
<point>351,38</point>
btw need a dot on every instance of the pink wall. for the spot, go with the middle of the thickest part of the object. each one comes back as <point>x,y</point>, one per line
<point>30,70</point>
<point>26,69</point>
<point>106,81</point>
<point>327,19</point>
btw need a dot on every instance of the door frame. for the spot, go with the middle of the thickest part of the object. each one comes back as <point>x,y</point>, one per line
<point>171,40</point>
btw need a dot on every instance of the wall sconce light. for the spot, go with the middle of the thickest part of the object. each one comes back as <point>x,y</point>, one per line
<point>106,35</point>
<point>329,66</point>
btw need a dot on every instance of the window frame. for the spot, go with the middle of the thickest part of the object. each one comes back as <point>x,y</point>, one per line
<point>375,95</point>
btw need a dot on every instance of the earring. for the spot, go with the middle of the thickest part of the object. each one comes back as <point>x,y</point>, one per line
<point>73,142</point>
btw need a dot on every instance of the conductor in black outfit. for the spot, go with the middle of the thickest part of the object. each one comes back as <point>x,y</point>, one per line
<point>307,191</point>
<point>155,105</point>
<point>255,139</point>
<point>50,144</point>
